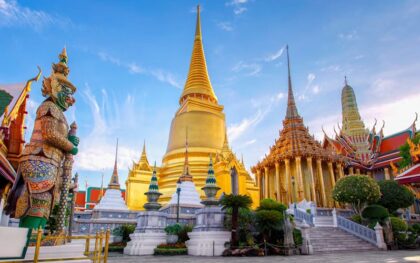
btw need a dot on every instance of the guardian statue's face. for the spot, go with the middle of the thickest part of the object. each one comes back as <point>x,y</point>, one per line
<point>65,98</point>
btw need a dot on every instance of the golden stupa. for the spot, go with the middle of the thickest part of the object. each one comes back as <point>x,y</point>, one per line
<point>202,118</point>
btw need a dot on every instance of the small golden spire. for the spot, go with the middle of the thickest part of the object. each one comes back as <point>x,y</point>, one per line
<point>114,183</point>
<point>198,24</point>
<point>198,83</point>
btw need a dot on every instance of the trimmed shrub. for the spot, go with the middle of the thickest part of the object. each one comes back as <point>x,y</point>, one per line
<point>394,196</point>
<point>127,230</point>
<point>356,219</point>
<point>375,213</point>
<point>357,190</point>
<point>183,233</point>
<point>173,229</point>
<point>398,225</point>
<point>270,204</point>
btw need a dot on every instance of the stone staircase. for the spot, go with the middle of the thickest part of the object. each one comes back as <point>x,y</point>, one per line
<point>323,221</point>
<point>326,239</point>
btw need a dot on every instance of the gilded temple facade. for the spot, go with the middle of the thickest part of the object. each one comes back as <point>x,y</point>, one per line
<point>366,151</point>
<point>202,117</point>
<point>297,167</point>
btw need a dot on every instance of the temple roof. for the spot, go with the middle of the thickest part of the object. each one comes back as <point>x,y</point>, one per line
<point>198,81</point>
<point>295,139</point>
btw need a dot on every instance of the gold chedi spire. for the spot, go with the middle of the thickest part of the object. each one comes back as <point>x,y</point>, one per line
<point>198,81</point>
<point>143,157</point>
<point>114,183</point>
<point>352,122</point>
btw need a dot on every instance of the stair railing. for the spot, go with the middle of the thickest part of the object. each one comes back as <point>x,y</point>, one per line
<point>374,237</point>
<point>301,215</point>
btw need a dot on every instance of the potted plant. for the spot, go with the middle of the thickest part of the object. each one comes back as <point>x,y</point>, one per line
<point>118,234</point>
<point>172,233</point>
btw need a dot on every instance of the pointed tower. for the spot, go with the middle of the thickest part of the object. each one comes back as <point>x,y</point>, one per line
<point>138,180</point>
<point>113,200</point>
<point>298,157</point>
<point>200,111</point>
<point>352,122</point>
<point>198,80</point>
<point>153,194</point>
<point>114,182</point>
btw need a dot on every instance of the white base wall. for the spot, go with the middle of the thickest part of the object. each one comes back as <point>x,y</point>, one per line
<point>144,243</point>
<point>207,243</point>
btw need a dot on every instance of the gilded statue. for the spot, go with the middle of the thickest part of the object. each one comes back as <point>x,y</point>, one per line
<point>39,180</point>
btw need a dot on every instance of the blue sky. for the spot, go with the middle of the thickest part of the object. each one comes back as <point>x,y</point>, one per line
<point>129,60</point>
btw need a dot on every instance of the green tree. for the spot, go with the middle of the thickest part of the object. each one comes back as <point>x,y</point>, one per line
<point>269,219</point>
<point>394,196</point>
<point>235,202</point>
<point>357,190</point>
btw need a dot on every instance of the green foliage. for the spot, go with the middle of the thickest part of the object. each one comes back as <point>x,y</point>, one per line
<point>236,201</point>
<point>405,152</point>
<point>127,230</point>
<point>297,237</point>
<point>398,225</point>
<point>395,196</point>
<point>416,228</point>
<point>356,218</point>
<point>268,221</point>
<point>118,231</point>
<point>357,190</point>
<point>246,225</point>
<point>270,204</point>
<point>170,251</point>
<point>375,213</point>
<point>173,229</point>
<point>183,233</point>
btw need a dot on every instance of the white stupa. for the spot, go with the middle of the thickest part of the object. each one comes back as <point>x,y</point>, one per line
<point>113,200</point>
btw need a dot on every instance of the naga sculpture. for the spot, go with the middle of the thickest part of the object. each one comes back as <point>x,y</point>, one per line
<point>40,172</point>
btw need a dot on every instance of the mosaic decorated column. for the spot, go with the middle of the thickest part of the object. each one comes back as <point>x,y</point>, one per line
<point>287,177</point>
<point>300,191</point>
<point>332,179</point>
<point>340,170</point>
<point>351,171</point>
<point>277,181</point>
<point>266,190</point>
<point>321,182</point>
<point>311,173</point>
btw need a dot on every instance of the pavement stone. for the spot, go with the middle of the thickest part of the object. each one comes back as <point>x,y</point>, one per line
<point>339,257</point>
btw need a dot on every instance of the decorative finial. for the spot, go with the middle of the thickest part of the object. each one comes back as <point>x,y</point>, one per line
<point>291,104</point>
<point>345,81</point>
<point>186,174</point>
<point>153,194</point>
<point>114,183</point>
<point>198,24</point>
<point>210,188</point>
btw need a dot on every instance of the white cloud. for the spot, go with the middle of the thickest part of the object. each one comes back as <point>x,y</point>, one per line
<point>226,26</point>
<point>97,149</point>
<point>12,14</point>
<point>238,6</point>
<point>275,55</point>
<point>349,36</point>
<point>315,89</point>
<point>251,69</point>
<point>134,68</point>
<point>250,142</point>
<point>237,129</point>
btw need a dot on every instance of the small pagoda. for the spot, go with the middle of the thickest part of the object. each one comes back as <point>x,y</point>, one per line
<point>297,168</point>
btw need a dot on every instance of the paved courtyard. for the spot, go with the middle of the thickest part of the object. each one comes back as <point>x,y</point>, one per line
<point>342,257</point>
